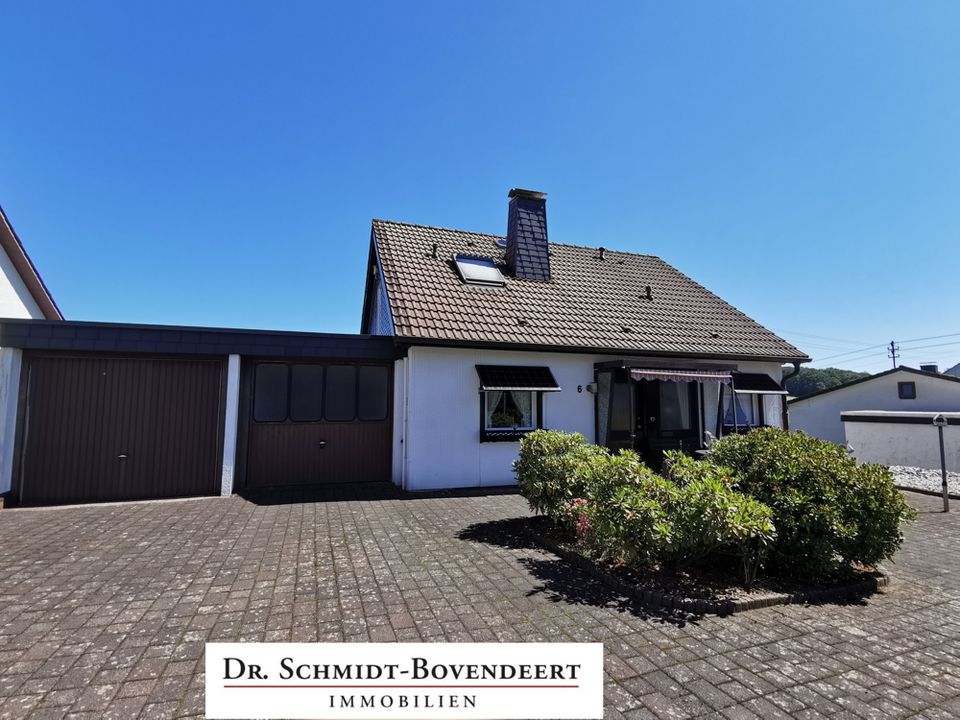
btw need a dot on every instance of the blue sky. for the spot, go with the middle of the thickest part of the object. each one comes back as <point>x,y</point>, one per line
<point>219,163</point>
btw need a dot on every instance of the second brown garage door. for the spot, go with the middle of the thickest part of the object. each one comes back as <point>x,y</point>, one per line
<point>107,428</point>
<point>313,423</point>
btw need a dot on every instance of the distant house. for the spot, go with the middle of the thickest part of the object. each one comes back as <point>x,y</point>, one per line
<point>954,371</point>
<point>902,389</point>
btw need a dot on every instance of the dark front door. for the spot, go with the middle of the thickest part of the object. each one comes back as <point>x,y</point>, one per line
<point>316,423</point>
<point>667,417</point>
<point>107,428</point>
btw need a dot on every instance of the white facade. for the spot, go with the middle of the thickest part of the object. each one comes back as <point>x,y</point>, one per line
<point>437,411</point>
<point>15,299</point>
<point>819,415</point>
<point>897,438</point>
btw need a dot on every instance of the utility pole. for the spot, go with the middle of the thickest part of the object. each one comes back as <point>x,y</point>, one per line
<point>893,352</point>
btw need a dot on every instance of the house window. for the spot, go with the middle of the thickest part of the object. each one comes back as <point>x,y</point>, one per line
<point>907,390</point>
<point>510,414</point>
<point>676,408</point>
<point>745,407</point>
<point>479,271</point>
<point>511,400</point>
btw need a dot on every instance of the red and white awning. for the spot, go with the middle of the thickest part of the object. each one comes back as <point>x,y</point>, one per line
<point>668,375</point>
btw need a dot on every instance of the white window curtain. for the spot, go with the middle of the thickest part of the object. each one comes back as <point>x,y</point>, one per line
<point>507,409</point>
<point>493,399</point>
<point>524,403</point>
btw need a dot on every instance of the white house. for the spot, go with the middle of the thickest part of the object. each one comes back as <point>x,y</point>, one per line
<point>501,335</point>
<point>902,389</point>
<point>469,342</point>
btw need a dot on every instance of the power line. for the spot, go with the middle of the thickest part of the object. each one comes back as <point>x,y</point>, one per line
<point>824,337</point>
<point>879,347</point>
<point>851,352</point>
<point>875,355</point>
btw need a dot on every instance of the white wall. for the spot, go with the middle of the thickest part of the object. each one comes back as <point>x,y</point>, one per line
<point>15,300</point>
<point>915,445</point>
<point>440,425</point>
<point>820,416</point>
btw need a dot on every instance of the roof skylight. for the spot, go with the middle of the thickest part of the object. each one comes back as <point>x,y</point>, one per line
<point>479,271</point>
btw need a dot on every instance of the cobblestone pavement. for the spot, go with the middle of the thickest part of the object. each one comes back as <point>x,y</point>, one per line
<point>104,610</point>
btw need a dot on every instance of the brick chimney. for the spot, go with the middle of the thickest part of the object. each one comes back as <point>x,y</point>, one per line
<point>528,252</point>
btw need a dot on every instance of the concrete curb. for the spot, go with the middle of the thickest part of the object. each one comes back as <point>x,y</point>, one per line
<point>666,601</point>
<point>921,491</point>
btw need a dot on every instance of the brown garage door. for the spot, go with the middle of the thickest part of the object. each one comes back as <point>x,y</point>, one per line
<point>317,423</point>
<point>102,429</point>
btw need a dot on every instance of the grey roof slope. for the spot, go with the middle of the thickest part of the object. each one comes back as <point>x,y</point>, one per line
<point>589,304</point>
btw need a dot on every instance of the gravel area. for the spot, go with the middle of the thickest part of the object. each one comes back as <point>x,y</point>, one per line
<point>924,479</point>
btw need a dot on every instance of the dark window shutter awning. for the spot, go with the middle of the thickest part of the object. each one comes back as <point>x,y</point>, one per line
<point>756,384</point>
<point>516,377</point>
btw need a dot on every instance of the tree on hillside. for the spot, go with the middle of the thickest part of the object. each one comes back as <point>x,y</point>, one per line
<point>811,380</point>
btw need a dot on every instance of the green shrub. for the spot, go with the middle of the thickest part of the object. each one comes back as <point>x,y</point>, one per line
<point>827,510</point>
<point>626,509</point>
<point>546,469</point>
<point>710,516</point>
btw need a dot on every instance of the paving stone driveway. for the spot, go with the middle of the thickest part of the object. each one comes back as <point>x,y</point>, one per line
<point>104,610</point>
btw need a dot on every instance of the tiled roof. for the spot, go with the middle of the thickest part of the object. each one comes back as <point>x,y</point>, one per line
<point>589,303</point>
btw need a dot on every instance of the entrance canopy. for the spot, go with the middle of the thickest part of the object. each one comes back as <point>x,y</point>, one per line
<point>670,375</point>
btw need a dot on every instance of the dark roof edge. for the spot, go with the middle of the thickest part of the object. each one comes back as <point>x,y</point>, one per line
<point>442,342</point>
<point>83,336</point>
<point>899,368</point>
<point>28,272</point>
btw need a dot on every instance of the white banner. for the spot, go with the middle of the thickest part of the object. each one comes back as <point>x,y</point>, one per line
<point>396,681</point>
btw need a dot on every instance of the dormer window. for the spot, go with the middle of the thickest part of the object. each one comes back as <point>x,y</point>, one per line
<point>479,271</point>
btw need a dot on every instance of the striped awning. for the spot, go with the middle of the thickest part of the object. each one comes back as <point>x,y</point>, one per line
<point>670,375</point>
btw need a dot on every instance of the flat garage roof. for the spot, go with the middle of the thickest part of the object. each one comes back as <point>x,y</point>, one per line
<point>97,337</point>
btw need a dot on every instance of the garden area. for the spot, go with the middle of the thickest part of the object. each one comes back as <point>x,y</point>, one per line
<point>766,514</point>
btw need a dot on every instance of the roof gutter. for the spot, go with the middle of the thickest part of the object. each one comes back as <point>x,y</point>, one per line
<point>784,415</point>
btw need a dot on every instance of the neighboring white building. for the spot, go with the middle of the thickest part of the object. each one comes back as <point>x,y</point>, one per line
<point>22,295</point>
<point>904,438</point>
<point>499,335</point>
<point>902,389</point>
